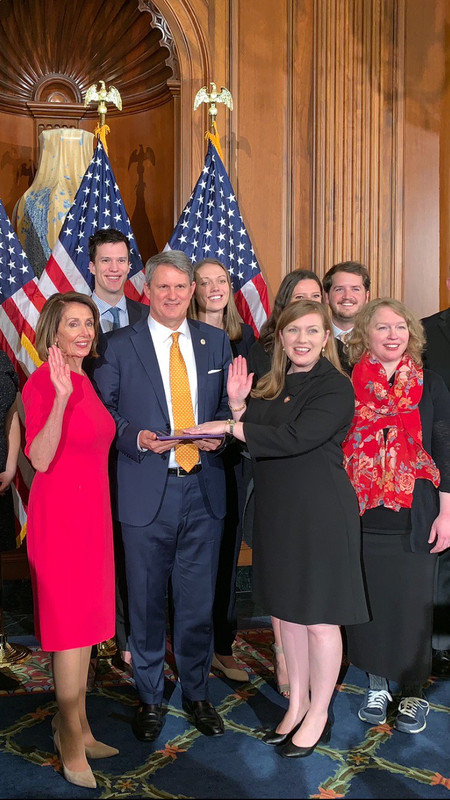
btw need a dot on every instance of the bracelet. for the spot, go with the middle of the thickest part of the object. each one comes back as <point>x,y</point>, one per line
<point>230,423</point>
<point>241,408</point>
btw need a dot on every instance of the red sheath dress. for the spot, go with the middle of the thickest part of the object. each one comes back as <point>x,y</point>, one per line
<point>70,541</point>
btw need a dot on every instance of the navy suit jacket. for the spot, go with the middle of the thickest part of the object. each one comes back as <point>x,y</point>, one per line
<point>437,351</point>
<point>128,380</point>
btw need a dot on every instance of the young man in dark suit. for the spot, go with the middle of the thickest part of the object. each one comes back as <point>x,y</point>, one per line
<point>109,254</point>
<point>437,358</point>
<point>171,511</point>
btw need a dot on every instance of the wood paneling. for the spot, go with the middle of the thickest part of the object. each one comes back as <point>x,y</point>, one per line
<point>358,138</point>
<point>335,102</point>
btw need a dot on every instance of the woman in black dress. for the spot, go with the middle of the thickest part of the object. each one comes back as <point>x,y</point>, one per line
<point>301,284</point>
<point>306,544</point>
<point>397,455</point>
<point>213,303</point>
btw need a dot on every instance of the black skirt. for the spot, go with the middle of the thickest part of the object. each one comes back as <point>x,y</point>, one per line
<point>396,643</point>
<point>7,523</point>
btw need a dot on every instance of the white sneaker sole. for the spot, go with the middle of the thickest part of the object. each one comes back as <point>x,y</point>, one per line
<point>371,721</point>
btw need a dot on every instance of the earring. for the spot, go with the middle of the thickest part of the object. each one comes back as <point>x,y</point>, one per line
<point>323,352</point>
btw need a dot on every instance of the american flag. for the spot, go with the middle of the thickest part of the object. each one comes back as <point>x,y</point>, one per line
<point>211,226</point>
<point>97,204</point>
<point>17,282</point>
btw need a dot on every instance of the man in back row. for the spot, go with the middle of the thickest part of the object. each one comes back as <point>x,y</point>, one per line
<point>346,286</point>
<point>109,263</point>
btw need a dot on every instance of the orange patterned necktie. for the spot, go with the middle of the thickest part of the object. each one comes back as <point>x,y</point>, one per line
<point>186,455</point>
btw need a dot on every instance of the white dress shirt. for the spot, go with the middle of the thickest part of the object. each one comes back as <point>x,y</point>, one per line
<point>162,341</point>
<point>339,333</point>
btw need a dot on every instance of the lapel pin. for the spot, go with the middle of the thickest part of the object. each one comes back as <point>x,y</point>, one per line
<point>286,400</point>
<point>202,341</point>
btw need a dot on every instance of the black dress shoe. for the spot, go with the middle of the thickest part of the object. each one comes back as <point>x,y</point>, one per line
<point>440,664</point>
<point>291,750</point>
<point>204,716</point>
<point>148,722</point>
<point>274,738</point>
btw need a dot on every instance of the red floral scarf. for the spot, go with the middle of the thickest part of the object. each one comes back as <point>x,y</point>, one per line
<point>383,472</point>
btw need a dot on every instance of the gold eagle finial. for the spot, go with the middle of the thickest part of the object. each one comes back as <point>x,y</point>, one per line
<point>103,96</point>
<point>213,97</point>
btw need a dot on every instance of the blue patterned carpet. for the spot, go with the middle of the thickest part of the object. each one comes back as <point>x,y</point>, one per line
<point>359,761</point>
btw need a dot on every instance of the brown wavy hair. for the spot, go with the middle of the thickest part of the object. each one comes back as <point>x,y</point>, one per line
<point>50,317</point>
<point>232,321</point>
<point>271,384</point>
<point>282,299</point>
<point>357,342</point>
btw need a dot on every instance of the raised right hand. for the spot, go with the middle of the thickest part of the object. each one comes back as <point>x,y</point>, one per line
<point>59,373</point>
<point>239,383</point>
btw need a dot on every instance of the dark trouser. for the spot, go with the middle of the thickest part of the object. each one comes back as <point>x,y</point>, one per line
<point>182,543</point>
<point>441,624</point>
<point>122,614</point>
<point>224,613</point>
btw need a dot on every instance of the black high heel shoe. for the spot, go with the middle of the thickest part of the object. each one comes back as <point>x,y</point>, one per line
<point>274,738</point>
<point>291,750</point>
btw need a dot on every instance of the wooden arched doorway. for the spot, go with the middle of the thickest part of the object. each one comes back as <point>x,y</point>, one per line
<point>154,52</point>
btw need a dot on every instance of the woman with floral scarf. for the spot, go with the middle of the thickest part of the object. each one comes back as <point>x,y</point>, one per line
<point>397,455</point>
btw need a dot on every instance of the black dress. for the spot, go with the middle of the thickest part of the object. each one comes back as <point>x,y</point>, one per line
<point>307,537</point>
<point>9,383</point>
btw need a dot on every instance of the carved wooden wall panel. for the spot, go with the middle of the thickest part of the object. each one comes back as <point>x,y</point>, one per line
<point>318,147</point>
<point>358,158</point>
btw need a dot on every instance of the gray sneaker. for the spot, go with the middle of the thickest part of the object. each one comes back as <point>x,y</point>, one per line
<point>411,716</point>
<point>374,706</point>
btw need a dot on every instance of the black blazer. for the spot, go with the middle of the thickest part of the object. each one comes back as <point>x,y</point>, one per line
<point>434,408</point>
<point>241,347</point>
<point>437,352</point>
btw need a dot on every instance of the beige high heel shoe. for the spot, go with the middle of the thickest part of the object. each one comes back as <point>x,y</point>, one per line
<point>84,778</point>
<point>98,750</point>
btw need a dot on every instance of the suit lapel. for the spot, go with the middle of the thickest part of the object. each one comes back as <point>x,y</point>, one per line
<point>143,344</point>
<point>444,323</point>
<point>200,346</point>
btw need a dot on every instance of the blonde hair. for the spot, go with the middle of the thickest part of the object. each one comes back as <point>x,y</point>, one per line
<point>50,317</point>
<point>232,321</point>
<point>358,341</point>
<point>271,384</point>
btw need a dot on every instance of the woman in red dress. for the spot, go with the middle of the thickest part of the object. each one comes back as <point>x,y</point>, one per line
<point>70,544</point>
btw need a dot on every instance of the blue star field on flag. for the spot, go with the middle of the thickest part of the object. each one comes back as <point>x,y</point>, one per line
<point>211,226</point>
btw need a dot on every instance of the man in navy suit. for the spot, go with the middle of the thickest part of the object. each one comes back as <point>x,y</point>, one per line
<point>171,517</point>
<point>109,262</point>
<point>437,358</point>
